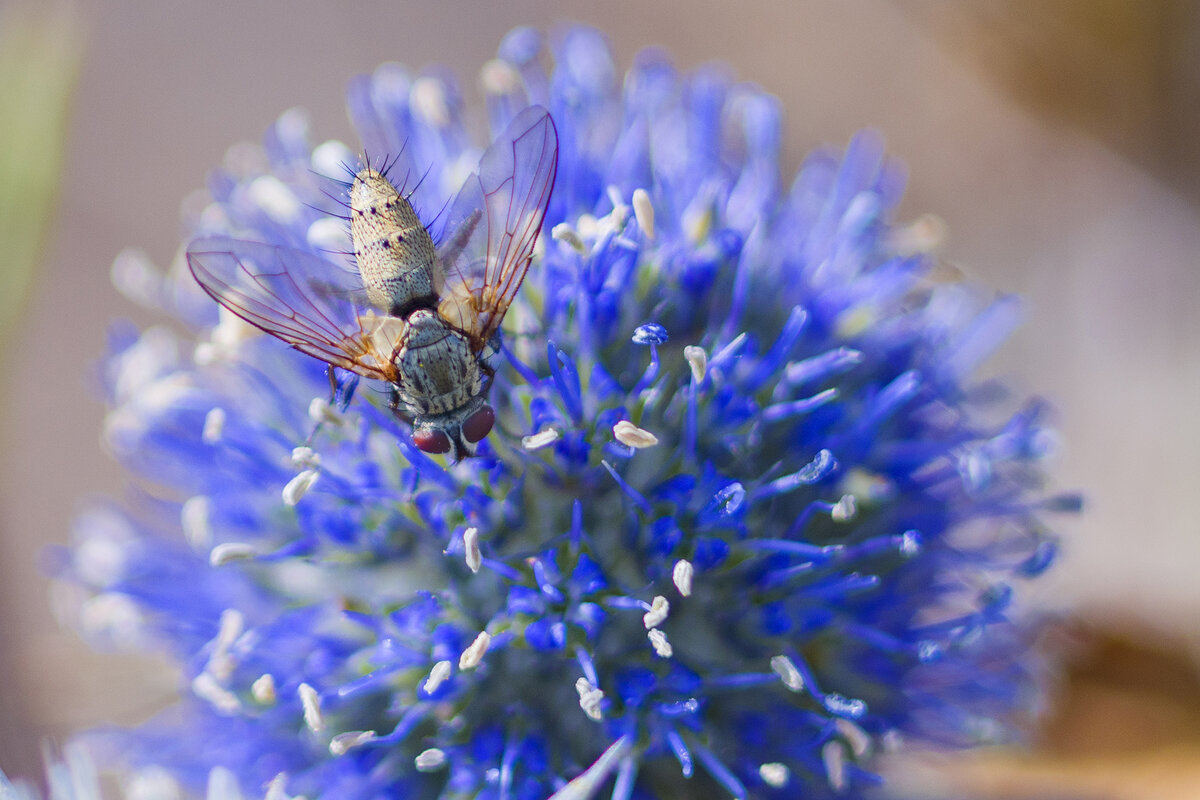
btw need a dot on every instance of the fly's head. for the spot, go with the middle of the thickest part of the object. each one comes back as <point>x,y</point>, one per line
<point>455,433</point>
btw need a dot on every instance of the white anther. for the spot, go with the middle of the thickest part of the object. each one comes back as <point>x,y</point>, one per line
<point>923,235</point>
<point>148,783</point>
<point>310,701</point>
<point>222,783</point>
<point>274,197</point>
<point>697,359</point>
<point>298,486</point>
<point>657,614</point>
<point>845,509</point>
<point>681,575</point>
<point>471,546</point>
<point>305,458</point>
<point>193,516</point>
<point>320,411</point>
<point>615,220</point>
<point>643,212</point>
<point>774,774</point>
<point>214,426</point>
<point>565,233</point>
<point>429,760</point>
<point>437,676</point>
<point>858,739</point>
<point>344,742</point>
<point>263,690</point>
<point>135,276</point>
<point>833,755</point>
<point>589,699</point>
<point>227,552</point>
<point>330,158</point>
<point>221,662</point>
<point>540,439</point>
<point>787,672</point>
<point>206,687</point>
<point>330,234</point>
<point>471,657</point>
<point>658,640</point>
<point>499,77</point>
<point>631,435</point>
<point>277,788</point>
<point>428,98</point>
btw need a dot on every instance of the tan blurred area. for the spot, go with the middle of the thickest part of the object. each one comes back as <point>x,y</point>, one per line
<point>1059,140</point>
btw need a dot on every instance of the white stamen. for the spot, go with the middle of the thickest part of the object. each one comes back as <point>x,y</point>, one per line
<point>774,774</point>
<point>222,784</point>
<point>430,760</point>
<point>298,486</point>
<point>631,435</point>
<point>275,198</point>
<point>659,608</point>
<point>787,672</point>
<point>697,359</point>
<point>845,509</point>
<point>923,235</point>
<point>565,233</point>
<point>329,234</point>
<point>305,458</point>
<point>206,687</point>
<point>135,276</point>
<point>221,662</point>
<point>214,426</point>
<point>471,657</point>
<point>311,702</point>
<point>858,739</point>
<point>114,617</point>
<point>277,788</point>
<point>148,783</point>
<point>263,690</point>
<point>643,212</point>
<point>499,77</point>
<point>910,543</point>
<point>589,699</point>
<point>615,221</point>
<point>471,546</point>
<point>437,676</point>
<point>330,158</point>
<point>227,552</point>
<point>681,575</point>
<point>428,99</point>
<point>540,439</point>
<point>342,743</point>
<point>833,755</point>
<point>320,411</point>
<point>658,640</point>
<point>193,516</point>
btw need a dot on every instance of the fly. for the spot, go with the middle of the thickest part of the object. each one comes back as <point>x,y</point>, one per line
<point>425,319</point>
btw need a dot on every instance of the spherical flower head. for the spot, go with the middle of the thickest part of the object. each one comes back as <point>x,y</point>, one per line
<point>744,521</point>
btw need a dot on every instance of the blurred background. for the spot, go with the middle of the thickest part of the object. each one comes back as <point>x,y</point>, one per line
<point>1058,139</point>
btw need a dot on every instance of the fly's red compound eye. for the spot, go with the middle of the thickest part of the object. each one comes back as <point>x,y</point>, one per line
<point>479,424</point>
<point>432,441</point>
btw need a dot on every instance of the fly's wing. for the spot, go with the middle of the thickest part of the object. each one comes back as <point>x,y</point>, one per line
<point>493,225</point>
<point>309,303</point>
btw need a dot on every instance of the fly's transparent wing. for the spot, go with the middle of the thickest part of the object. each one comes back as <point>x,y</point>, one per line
<point>493,225</point>
<point>311,304</point>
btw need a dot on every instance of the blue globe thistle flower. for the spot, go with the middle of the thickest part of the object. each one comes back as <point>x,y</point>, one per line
<point>744,522</point>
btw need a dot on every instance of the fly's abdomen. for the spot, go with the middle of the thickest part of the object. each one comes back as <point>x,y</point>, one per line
<point>394,251</point>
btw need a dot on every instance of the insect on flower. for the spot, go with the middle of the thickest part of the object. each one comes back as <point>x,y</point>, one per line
<point>425,319</point>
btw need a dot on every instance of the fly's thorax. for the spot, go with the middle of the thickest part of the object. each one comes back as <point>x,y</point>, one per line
<point>439,372</point>
<point>394,251</point>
